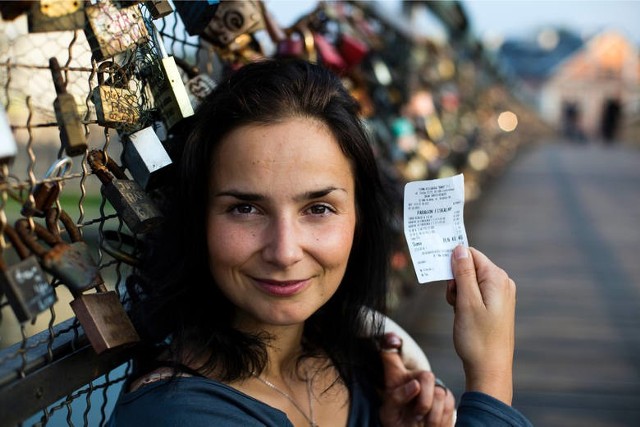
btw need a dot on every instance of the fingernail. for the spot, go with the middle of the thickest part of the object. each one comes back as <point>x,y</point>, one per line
<point>392,341</point>
<point>409,388</point>
<point>460,252</point>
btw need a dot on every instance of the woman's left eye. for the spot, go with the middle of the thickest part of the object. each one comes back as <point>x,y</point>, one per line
<point>320,210</point>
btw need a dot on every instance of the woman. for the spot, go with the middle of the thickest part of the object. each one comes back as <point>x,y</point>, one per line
<point>259,295</point>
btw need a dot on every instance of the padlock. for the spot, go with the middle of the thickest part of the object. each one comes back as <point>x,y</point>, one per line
<point>111,30</point>
<point>145,157</point>
<point>56,15</point>
<point>298,44</point>
<point>199,85</point>
<point>132,204</point>
<point>329,55</point>
<point>8,147</point>
<point>352,49</point>
<point>158,8</point>
<point>196,15</point>
<point>24,282</point>
<point>169,94</point>
<point>231,19</point>
<point>72,133</point>
<point>72,263</point>
<point>104,320</point>
<point>116,104</point>
<point>45,194</point>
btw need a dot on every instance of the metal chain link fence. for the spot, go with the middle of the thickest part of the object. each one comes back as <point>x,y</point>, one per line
<point>110,57</point>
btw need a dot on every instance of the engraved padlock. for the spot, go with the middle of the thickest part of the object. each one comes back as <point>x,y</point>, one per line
<point>56,15</point>
<point>45,193</point>
<point>24,282</point>
<point>72,133</point>
<point>104,320</point>
<point>116,104</point>
<point>169,93</point>
<point>70,262</point>
<point>199,85</point>
<point>158,8</point>
<point>111,30</point>
<point>196,15</point>
<point>8,147</point>
<point>232,19</point>
<point>132,204</point>
<point>145,158</point>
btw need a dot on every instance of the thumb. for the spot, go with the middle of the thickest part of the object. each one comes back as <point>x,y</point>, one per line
<point>395,373</point>
<point>464,273</point>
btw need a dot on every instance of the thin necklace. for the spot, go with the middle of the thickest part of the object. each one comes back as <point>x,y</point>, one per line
<point>309,418</point>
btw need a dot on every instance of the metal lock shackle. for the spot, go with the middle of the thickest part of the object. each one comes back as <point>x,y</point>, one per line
<point>24,283</point>
<point>72,263</point>
<point>44,194</point>
<point>105,168</point>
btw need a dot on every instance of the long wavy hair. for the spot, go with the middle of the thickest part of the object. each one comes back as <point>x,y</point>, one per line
<point>181,307</point>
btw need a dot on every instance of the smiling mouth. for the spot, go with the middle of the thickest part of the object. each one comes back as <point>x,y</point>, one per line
<point>282,288</point>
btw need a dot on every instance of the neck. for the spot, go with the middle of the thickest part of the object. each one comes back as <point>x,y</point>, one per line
<point>283,348</point>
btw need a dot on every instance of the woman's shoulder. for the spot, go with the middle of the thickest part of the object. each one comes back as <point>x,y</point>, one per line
<point>192,401</point>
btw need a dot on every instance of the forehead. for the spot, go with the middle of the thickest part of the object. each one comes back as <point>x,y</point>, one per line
<point>295,148</point>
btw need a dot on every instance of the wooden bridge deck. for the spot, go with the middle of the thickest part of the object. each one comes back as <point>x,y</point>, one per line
<point>564,221</point>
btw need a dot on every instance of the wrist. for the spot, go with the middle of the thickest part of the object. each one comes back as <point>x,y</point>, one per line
<point>495,383</point>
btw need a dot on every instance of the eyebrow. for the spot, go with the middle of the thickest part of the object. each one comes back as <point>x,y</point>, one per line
<point>256,197</point>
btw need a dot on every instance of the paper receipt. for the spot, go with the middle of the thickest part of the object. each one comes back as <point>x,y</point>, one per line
<point>434,225</point>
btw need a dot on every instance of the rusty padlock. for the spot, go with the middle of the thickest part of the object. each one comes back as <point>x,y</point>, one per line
<point>24,282</point>
<point>72,262</point>
<point>102,316</point>
<point>132,204</point>
<point>158,8</point>
<point>45,194</point>
<point>116,104</point>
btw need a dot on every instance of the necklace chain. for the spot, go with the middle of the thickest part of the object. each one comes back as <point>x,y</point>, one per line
<point>309,418</point>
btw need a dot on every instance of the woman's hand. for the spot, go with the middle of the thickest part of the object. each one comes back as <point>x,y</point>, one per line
<point>411,398</point>
<point>483,297</point>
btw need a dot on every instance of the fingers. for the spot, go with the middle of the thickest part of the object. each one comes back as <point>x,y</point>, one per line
<point>464,273</point>
<point>395,373</point>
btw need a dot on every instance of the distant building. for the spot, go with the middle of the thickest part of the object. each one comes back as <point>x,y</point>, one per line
<point>588,90</point>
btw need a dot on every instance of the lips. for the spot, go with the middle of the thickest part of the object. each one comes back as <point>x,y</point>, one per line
<point>283,288</point>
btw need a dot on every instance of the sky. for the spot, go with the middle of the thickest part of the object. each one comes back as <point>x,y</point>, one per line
<point>517,18</point>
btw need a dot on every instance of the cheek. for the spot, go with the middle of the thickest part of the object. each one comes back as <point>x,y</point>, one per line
<point>227,246</point>
<point>335,245</point>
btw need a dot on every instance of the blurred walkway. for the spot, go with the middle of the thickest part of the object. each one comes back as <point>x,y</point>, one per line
<point>564,221</point>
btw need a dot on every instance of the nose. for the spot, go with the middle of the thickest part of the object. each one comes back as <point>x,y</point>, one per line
<point>283,247</point>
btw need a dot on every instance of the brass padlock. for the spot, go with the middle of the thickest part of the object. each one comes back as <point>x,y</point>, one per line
<point>132,204</point>
<point>116,104</point>
<point>111,30</point>
<point>71,263</point>
<point>169,93</point>
<point>158,8</point>
<point>8,147</point>
<point>145,157</point>
<point>56,15</point>
<point>104,320</point>
<point>24,282</point>
<point>72,133</point>
<point>231,19</point>
<point>45,194</point>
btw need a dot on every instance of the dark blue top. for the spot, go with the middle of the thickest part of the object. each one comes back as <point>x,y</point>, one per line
<point>202,402</point>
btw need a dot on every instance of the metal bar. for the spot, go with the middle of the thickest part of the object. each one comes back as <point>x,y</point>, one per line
<point>46,381</point>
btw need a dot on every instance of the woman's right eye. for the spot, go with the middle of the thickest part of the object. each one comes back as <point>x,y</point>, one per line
<point>243,209</point>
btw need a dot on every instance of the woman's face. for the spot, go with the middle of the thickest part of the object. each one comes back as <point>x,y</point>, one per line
<point>281,220</point>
